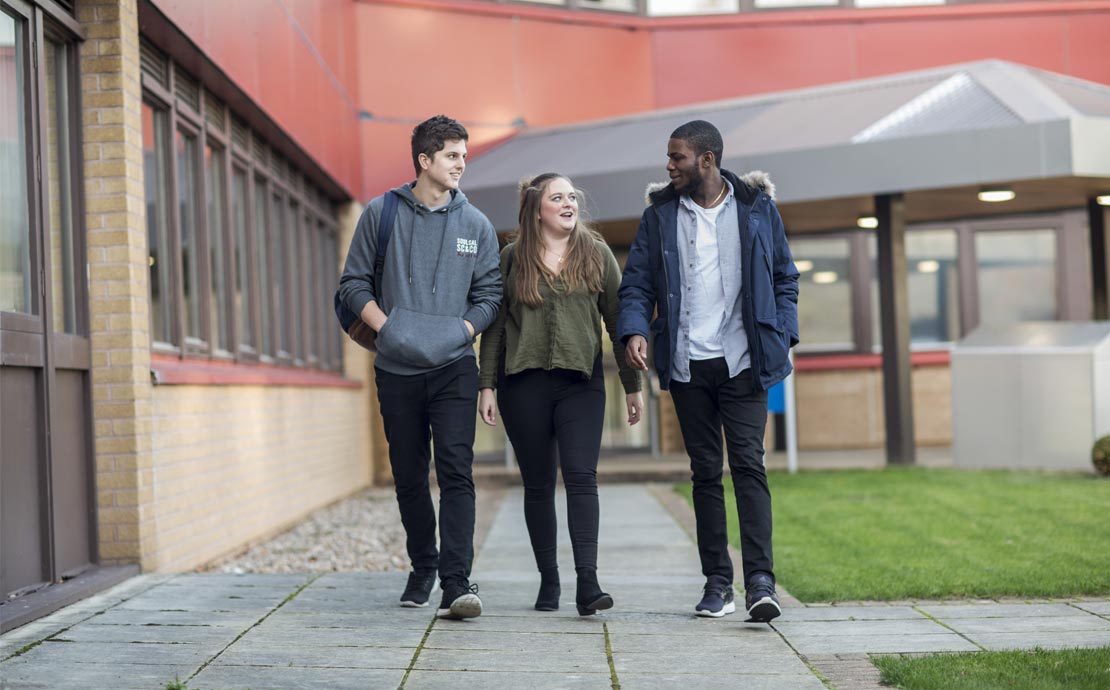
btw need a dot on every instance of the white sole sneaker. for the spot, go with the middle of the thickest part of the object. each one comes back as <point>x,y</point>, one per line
<point>764,611</point>
<point>728,608</point>
<point>418,605</point>
<point>466,606</point>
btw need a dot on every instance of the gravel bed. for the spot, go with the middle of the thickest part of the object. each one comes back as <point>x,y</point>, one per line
<point>362,533</point>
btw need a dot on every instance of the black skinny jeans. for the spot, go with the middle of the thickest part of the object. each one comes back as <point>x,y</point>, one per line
<point>554,420</point>
<point>437,405</point>
<point>712,399</point>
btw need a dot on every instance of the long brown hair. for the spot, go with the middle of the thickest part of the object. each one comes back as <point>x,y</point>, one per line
<point>583,264</point>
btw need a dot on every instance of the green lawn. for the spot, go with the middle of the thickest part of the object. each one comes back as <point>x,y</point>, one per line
<point>923,533</point>
<point>1068,669</point>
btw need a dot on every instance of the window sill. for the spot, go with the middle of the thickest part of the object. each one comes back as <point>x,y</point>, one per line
<point>866,361</point>
<point>171,370</point>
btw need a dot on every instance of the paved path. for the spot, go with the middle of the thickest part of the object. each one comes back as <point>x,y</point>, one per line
<point>343,630</point>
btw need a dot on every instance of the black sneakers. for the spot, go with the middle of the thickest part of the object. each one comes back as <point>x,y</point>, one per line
<point>760,599</point>
<point>419,588</point>
<point>460,600</point>
<point>716,601</point>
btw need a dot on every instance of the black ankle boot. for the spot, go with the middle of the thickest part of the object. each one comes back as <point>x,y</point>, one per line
<point>590,599</point>
<point>548,598</point>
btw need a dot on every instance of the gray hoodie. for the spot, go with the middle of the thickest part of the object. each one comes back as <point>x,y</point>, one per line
<point>440,267</point>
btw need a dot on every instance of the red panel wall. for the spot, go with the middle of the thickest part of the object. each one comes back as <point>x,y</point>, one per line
<point>838,45</point>
<point>297,59</point>
<point>487,70</point>
<point>490,64</point>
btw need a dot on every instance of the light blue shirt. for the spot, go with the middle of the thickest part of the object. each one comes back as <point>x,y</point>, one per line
<point>710,323</point>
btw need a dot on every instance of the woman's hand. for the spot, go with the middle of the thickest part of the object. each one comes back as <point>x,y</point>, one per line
<point>635,404</point>
<point>487,406</point>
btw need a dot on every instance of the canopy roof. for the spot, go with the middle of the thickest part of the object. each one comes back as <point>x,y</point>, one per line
<point>936,135</point>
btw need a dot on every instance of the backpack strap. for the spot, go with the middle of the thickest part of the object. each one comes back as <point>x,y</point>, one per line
<point>385,229</point>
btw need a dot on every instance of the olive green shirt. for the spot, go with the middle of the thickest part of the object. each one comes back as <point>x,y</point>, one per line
<point>562,333</point>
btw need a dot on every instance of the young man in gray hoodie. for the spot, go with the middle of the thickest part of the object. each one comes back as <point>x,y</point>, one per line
<point>440,287</point>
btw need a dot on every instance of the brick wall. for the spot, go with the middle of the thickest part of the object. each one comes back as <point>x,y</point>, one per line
<point>119,320</point>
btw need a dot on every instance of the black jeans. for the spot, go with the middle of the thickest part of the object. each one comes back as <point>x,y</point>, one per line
<point>712,399</point>
<point>554,420</point>
<point>437,406</point>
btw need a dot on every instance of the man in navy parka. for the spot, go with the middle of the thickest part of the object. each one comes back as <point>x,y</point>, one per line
<point>710,261</point>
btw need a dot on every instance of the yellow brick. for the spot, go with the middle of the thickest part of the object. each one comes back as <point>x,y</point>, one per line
<point>127,533</point>
<point>106,169</point>
<point>108,47</point>
<point>110,99</point>
<point>110,133</point>
<point>119,550</point>
<point>115,480</point>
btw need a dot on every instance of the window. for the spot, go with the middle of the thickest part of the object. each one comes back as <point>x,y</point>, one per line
<point>1017,275</point>
<point>825,306</point>
<point>679,7</point>
<point>237,233</point>
<point>241,258</point>
<point>155,183</point>
<point>15,223</point>
<point>214,186</point>
<point>60,190</point>
<point>934,291</point>
<point>769,4</point>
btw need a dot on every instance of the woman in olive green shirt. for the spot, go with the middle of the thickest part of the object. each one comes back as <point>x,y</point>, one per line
<point>543,357</point>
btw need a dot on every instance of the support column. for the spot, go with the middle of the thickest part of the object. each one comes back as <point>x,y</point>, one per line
<point>118,271</point>
<point>1100,261</point>
<point>894,310</point>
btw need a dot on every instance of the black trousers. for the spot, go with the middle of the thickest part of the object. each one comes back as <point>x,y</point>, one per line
<point>709,401</point>
<point>554,420</point>
<point>438,407</point>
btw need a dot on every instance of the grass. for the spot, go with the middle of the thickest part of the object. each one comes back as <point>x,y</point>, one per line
<point>1038,669</point>
<point>913,533</point>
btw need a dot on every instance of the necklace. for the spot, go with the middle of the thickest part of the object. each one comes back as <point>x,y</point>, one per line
<point>724,188</point>
<point>557,256</point>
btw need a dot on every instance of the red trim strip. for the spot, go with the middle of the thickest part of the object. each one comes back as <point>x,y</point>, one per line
<point>870,361</point>
<point>170,370</point>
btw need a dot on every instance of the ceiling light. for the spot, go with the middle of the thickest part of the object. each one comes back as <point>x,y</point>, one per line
<point>928,266</point>
<point>803,265</point>
<point>995,194</point>
<point>825,277</point>
<point>1103,200</point>
<point>867,222</point>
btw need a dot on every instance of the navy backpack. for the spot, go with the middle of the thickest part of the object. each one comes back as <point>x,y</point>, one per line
<point>352,323</point>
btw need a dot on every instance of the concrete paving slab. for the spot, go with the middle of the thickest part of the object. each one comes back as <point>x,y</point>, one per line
<point>227,604</point>
<point>851,613</point>
<point>511,661</point>
<point>1101,608</point>
<point>485,680</point>
<point>921,626</point>
<point>221,581</point>
<point>714,681</point>
<point>1037,624</point>
<point>392,618</point>
<point>1045,640</point>
<point>541,643</point>
<point>947,612</point>
<point>334,637</point>
<point>209,636</point>
<point>222,677</point>
<point>240,620</point>
<point>710,664</point>
<point>183,658</point>
<point>880,644</point>
<point>537,622</point>
<point>263,653</point>
<point>25,675</point>
<point>740,642</point>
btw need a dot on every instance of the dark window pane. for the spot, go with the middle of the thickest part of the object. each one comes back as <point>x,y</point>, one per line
<point>825,315</point>
<point>15,230</point>
<point>277,286</point>
<point>187,207</point>
<point>1017,276</point>
<point>59,190</point>
<point>242,263</point>
<point>294,283</point>
<point>217,300</point>
<point>262,243</point>
<point>933,280</point>
<point>154,181</point>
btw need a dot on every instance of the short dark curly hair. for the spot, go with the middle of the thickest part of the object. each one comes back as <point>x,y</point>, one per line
<point>702,136</point>
<point>431,135</point>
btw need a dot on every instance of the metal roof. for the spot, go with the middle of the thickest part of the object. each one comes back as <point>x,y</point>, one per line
<point>968,124</point>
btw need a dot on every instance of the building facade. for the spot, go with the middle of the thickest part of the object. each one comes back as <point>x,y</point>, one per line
<point>179,182</point>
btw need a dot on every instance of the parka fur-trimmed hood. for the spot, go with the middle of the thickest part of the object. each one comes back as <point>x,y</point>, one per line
<point>658,192</point>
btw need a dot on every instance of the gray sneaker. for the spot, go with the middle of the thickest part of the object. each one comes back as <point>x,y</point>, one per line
<point>459,601</point>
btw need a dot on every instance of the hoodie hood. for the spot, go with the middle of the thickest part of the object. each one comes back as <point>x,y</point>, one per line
<point>746,186</point>
<point>458,199</point>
